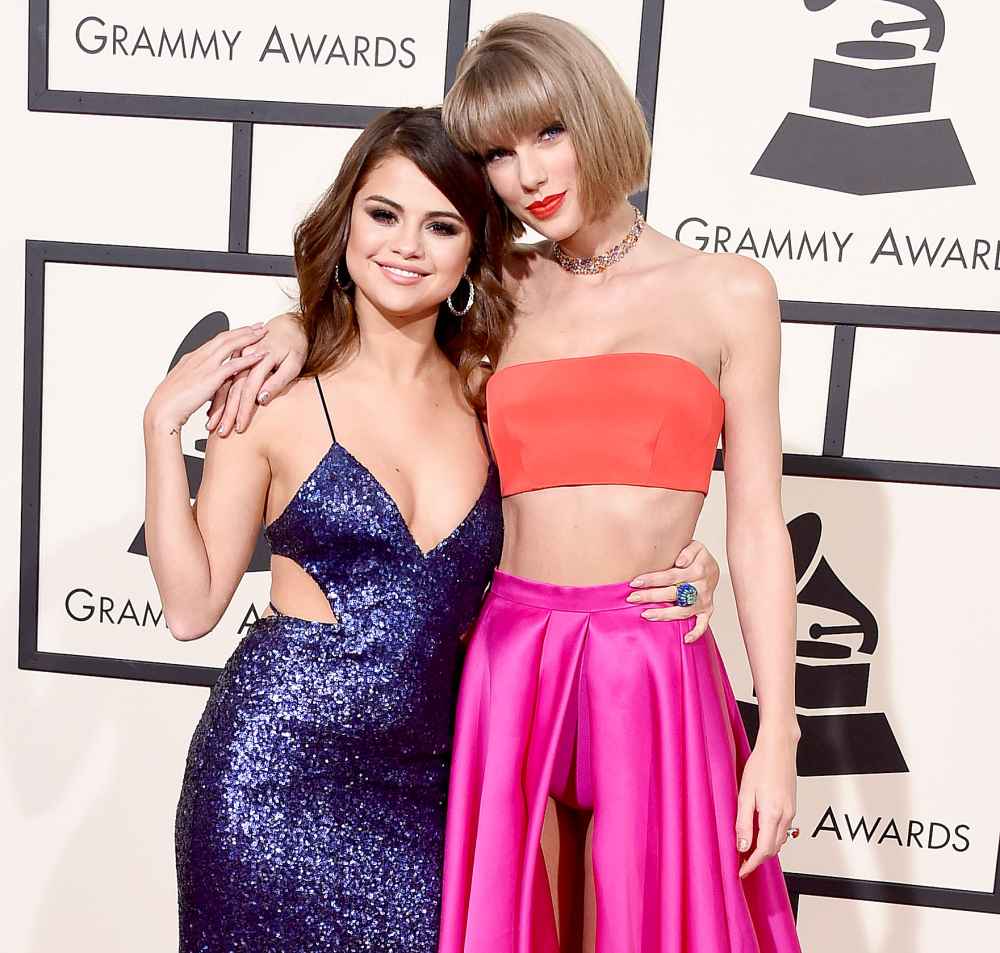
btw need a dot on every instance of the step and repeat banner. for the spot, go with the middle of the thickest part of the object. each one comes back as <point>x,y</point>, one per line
<point>850,146</point>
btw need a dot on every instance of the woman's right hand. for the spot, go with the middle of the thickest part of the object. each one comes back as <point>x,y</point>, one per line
<point>282,352</point>
<point>198,375</point>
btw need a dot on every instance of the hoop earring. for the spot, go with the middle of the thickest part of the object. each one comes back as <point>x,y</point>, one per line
<point>342,285</point>
<point>468,304</point>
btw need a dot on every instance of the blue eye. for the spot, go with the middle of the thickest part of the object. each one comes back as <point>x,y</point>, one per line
<point>550,132</point>
<point>493,154</point>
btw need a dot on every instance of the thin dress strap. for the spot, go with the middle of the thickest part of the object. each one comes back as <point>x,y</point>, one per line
<point>486,438</point>
<point>326,410</point>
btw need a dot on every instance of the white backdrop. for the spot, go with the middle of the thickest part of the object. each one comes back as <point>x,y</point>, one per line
<point>157,177</point>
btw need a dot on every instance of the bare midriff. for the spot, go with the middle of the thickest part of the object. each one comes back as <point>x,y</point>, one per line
<point>592,535</point>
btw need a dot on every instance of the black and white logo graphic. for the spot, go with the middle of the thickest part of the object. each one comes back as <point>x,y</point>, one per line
<point>212,324</point>
<point>833,663</point>
<point>89,602</point>
<point>868,159</point>
<point>832,669</point>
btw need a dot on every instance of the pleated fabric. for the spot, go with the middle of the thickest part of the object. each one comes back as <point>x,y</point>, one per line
<point>658,748</point>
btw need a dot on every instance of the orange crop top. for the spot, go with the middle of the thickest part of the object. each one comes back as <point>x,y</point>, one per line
<point>635,418</point>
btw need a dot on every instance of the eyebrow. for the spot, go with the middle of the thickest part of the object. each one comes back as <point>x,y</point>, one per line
<point>399,208</point>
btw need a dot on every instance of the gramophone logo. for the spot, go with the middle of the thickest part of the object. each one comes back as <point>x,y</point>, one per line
<point>839,734</point>
<point>872,158</point>
<point>202,332</point>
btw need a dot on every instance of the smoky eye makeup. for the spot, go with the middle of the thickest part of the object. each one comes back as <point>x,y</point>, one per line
<point>381,214</point>
<point>443,227</point>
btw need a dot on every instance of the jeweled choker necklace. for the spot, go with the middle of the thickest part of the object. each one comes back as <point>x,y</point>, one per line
<point>598,263</point>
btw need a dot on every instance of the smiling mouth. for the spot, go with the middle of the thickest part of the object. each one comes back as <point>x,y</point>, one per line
<point>401,272</point>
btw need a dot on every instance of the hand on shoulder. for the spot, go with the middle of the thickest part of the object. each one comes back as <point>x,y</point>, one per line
<point>274,423</point>
<point>281,353</point>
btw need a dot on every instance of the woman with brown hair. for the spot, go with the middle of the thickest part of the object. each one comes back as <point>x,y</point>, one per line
<point>630,354</point>
<point>312,810</point>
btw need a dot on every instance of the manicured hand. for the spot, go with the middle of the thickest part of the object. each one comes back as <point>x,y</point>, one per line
<point>767,796</point>
<point>198,375</point>
<point>281,353</point>
<point>695,565</point>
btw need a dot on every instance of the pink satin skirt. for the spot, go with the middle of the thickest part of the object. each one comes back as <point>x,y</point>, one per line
<point>567,692</point>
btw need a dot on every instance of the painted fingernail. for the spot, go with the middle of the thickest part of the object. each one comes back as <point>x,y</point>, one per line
<point>632,598</point>
<point>222,431</point>
<point>743,845</point>
<point>647,614</point>
<point>637,582</point>
<point>262,397</point>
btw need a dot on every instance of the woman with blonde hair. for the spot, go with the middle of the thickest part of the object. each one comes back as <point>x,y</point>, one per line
<point>630,354</point>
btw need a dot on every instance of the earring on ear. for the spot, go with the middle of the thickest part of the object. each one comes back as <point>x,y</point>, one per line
<point>342,285</point>
<point>468,304</point>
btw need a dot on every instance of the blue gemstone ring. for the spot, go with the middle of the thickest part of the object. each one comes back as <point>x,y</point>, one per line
<point>687,595</point>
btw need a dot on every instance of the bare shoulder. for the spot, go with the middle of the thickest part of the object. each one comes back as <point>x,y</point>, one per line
<point>736,279</point>
<point>738,292</point>
<point>289,404</point>
<point>282,415</point>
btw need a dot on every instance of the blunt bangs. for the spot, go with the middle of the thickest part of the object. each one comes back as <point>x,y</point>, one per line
<point>530,70</point>
<point>504,98</point>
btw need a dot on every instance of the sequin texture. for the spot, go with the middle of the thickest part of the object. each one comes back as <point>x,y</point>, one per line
<point>311,816</point>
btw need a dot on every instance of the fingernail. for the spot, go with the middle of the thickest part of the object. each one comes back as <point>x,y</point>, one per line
<point>632,598</point>
<point>262,397</point>
<point>647,614</point>
<point>222,431</point>
<point>637,582</point>
<point>688,639</point>
<point>743,844</point>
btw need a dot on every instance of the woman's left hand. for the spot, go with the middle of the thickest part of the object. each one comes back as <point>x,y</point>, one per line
<point>767,789</point>
<point>694,565</point>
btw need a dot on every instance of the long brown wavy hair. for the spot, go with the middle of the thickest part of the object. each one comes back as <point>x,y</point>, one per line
<point>327,311</point>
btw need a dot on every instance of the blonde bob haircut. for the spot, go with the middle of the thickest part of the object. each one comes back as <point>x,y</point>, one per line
<point>528,71</point>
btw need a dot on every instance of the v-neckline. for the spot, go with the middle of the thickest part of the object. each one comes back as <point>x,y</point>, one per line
<point>391,500</point>
<point>381,488</point>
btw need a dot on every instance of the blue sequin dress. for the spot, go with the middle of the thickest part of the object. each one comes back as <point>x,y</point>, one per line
<point>312,812</point>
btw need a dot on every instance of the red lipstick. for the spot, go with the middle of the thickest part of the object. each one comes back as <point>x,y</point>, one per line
<point>547,207</point>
